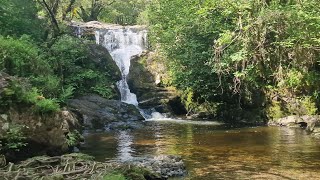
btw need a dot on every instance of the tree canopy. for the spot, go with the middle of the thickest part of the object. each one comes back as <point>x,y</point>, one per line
<point>233,53</point>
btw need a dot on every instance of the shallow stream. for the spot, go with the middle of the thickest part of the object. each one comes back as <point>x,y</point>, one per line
<point>214,151</point>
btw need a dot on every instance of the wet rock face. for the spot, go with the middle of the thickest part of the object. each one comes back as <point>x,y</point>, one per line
<point>101,113</point>
<point>145,79</point>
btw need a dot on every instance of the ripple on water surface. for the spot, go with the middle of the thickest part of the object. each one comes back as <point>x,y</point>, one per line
<point>214,151</point>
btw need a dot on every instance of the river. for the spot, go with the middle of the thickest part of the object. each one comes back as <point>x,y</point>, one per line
<point>215,151</point>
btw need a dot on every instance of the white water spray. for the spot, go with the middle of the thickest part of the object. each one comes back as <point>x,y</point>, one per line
<point>122,44</point>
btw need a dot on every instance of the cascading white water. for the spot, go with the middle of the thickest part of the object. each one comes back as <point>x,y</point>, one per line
<point>123,43</point>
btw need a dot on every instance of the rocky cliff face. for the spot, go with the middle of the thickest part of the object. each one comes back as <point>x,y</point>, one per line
<point>147,78</point>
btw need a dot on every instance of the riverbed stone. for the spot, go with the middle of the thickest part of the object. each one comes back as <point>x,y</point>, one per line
<point>100,113</point>
<point>166,165</point>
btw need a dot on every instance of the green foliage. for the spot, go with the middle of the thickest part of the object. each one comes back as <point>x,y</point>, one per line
<point>21,92</point>
<point>114,177</point>
<point>226,52</point>
<point>309,105</point>
<point>79,156</point>
<point>41,104</point>
<point>74,138</point>
<point>274,110</point>
<point>21,57</point>
<point>20,17</point>
<point>49,84</point>
<point>125,12</point>
<point>66,94</point>
<point>71,61</point>
<point>47,106</point>
<point>14,139</point>
<point>103,90</point>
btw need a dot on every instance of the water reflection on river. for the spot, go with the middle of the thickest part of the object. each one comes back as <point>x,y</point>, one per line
<point>213,151</point>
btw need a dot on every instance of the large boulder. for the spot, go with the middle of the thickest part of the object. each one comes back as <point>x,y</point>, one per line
<point>101,113</point>
<point>44,133</point>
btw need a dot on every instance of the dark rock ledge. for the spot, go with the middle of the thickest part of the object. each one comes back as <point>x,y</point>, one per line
<point>102,114</point>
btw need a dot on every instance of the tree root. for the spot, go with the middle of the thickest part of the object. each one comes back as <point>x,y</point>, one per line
<point>67,167</point>
<point>71,166</point>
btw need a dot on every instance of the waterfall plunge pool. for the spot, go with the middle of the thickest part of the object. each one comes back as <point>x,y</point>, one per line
<point>215,151</point>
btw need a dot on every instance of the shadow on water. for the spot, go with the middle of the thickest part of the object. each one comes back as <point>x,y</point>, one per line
<point>216,151</point>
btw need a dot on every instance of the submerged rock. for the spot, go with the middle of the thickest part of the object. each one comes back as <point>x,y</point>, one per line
<point>165,165</point>
<point>101,113</point>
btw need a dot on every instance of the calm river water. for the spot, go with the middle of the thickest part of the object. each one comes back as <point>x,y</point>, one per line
<point>213,151</point>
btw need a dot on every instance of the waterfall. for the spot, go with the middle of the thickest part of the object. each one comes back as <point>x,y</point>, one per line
<point>123,43</point>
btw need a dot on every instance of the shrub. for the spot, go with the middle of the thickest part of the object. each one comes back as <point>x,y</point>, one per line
<point>74,138</point>
<point>46,106</point>
<point>14,139</point>
<point>50,85</point>
<point>21,57</point>
<point>70,58</point>
<point>103,90</point>
<point>23,93</point>
<point>309,105</point>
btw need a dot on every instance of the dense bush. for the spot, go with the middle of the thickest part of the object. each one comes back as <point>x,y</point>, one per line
<point>13,139</point>
<point>70,58</point>
<point>59,72</point>
<point>20,17</point>
<point>229,52</point>
<point>21,57</point>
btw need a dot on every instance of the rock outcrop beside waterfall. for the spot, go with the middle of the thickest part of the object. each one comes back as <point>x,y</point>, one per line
<point>146,78</point>
<point>104,61</point>
<point>101,113</point>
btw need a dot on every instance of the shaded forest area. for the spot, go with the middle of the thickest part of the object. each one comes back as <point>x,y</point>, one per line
<point>252,60</point>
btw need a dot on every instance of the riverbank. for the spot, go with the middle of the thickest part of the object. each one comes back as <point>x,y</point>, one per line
<point>82,166</point>
<point>74,166</point>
